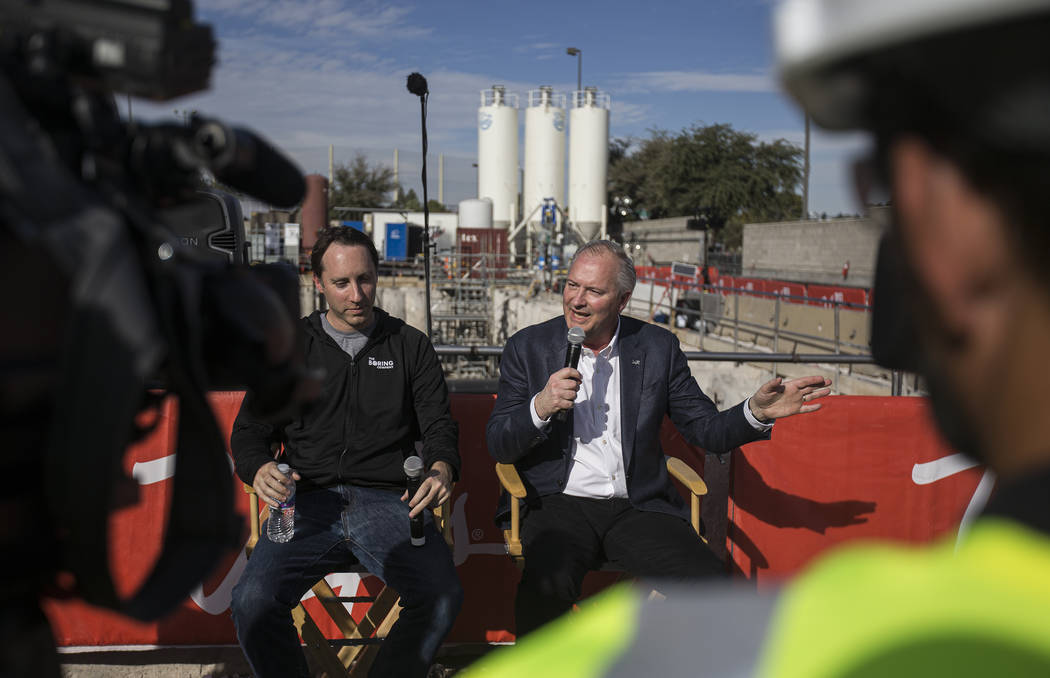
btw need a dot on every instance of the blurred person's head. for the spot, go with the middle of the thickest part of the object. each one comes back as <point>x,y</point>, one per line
<point>956,96</point>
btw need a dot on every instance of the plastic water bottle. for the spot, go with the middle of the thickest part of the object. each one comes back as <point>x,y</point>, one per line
<point>281,525</point>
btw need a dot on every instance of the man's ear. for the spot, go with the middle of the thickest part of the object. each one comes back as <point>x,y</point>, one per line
<point>953,236</point>
<point>623,301</point>
<point>317,284</point>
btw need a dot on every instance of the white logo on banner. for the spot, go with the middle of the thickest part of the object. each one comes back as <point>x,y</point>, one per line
<point>945,467</point>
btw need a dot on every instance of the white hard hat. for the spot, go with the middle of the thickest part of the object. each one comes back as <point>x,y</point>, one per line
<point>816,40</point>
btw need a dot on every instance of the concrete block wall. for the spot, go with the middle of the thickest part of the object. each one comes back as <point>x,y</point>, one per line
<point>816,322</point>
<point>814,251</point>
<point>663,241</point>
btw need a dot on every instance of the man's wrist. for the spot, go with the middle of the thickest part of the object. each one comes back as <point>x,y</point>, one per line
<point>538,420</point>
<point>755,413</point>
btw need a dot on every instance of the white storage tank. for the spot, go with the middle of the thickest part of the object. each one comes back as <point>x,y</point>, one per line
<point>475,213</point>
<point>498,154</point>
<point>588,160</point>
<point>544,152</point>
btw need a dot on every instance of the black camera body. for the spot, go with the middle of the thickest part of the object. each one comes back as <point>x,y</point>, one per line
<point>98,213</point>
<point>212,224</point>
<point>144,48</point>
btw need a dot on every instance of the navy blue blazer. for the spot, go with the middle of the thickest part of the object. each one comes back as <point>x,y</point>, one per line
<point>654,381</point>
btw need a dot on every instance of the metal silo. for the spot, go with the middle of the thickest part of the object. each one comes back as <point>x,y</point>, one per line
<point>588,160</point>
<point>498,154</point>
<point>475,213</point>
<point>544,152</point>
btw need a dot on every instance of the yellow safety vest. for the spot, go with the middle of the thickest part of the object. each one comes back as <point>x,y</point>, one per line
<point>982,610</point>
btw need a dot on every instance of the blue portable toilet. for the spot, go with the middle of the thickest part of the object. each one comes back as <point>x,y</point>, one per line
<point>395,247</point>
<point>359,225</point>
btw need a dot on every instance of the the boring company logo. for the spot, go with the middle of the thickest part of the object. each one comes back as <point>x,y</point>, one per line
<point>381,364</point>
<point>484,120</point>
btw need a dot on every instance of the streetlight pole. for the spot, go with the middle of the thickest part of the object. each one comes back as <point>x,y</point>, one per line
<point>578,53</point>
<point>805,175</point>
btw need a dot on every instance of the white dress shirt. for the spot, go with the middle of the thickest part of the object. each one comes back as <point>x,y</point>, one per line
<point>597,468</point>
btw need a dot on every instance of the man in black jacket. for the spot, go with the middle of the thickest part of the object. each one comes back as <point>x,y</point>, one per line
<point>597,479</point>
<point>383,390</point>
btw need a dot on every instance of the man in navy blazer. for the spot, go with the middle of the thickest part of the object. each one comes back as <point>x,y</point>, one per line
<point>597,481</point>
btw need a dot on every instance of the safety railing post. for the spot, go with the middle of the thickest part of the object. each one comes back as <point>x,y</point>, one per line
<point>776,325</point>
<point>736,317</point>
<point>838,348</point>
<point>652,287</point>
<point>673,314</point>
<point>700,326</point>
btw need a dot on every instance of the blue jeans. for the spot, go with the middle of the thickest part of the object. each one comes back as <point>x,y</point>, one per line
<point>335,527</point>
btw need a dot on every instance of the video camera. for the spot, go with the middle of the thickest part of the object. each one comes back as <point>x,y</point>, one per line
<point>86,206</point>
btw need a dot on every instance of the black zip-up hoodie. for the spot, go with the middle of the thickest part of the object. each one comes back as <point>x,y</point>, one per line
<point>372,410</point>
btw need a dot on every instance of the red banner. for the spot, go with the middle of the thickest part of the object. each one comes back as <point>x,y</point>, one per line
<point>830,293</point>
<point>861,467</point>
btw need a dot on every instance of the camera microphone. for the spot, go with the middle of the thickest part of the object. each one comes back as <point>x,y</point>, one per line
<point>246,161</point>
<point>414,473</point>
<point>575,338</point>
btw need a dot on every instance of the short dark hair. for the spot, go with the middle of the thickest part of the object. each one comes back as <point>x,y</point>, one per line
<point>627,276</point>
<point>343,235</point>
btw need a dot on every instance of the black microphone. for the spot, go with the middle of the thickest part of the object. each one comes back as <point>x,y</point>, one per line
<point>244,160</point>
<point>572,357</point>
<point>417,84</point>
<point>414,473</point>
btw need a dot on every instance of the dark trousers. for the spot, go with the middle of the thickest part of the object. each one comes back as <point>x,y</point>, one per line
<point>334,527</point>
<point>565,537</point>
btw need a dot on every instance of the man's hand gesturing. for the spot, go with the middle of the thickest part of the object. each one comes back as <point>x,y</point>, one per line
<point>777,398</point>
<point>559,393</point>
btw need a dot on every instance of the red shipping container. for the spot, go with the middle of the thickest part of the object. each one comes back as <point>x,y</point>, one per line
<point>483,248</point>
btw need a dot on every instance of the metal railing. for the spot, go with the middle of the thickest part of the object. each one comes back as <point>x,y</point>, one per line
<point>703,356</point>
<point>896,382</point>
<point>695,319</point>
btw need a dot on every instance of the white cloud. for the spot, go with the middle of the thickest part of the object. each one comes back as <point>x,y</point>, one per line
<point>849,144</point>
<point>311,73</point>
<point>697,81</point>
<point>627,114</point>
<point>367,20</point>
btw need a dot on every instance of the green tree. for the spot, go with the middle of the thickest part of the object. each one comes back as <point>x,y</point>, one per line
<point>359,184</point>
<point>408,201</point>
<point>724,176</point>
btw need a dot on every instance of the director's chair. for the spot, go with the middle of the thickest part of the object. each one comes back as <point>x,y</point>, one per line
<point>511,483</point>
<point>353,654</point>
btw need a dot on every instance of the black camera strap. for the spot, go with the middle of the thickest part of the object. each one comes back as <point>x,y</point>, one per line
<point>132,314</point>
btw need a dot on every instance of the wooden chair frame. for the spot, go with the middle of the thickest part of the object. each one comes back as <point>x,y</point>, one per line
<point>511,483</point>
<point>353,654</point>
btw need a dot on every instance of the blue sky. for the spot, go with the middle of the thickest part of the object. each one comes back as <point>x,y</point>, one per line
<point>310,73</point>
